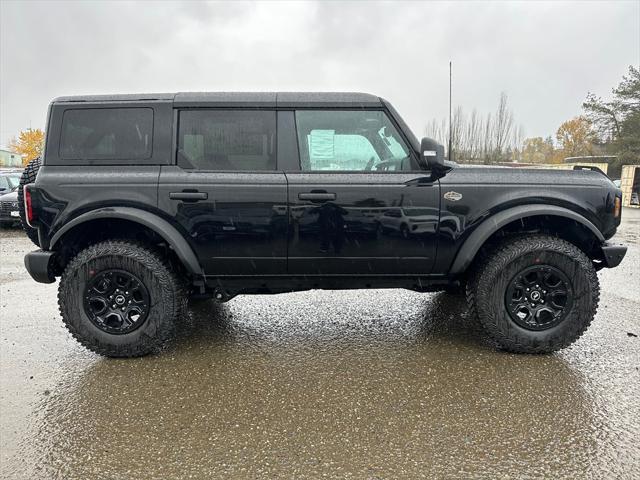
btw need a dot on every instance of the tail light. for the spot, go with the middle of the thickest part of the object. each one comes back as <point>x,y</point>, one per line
<point>617,207</point>
<point>28,206</point>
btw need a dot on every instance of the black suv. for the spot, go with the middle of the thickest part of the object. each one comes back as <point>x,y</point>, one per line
<point>141,201</point>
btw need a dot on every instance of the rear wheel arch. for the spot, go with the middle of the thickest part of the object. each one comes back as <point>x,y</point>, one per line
<point>139,221</point>
<point>550,219</point>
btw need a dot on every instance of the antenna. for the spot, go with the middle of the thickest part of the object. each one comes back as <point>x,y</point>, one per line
<point>450,131</point>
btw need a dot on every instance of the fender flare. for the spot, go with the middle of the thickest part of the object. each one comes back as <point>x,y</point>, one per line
<point>488,227</point>
<point>150,220</point>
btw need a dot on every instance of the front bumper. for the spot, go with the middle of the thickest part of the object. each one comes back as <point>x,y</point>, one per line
<point>613,254</point>
<point>9,213</point>
<point>38,264</point>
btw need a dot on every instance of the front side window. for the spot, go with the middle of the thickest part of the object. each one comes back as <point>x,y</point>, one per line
<point>232,140</point>
<point>345,140</point>
<point>107,133</point>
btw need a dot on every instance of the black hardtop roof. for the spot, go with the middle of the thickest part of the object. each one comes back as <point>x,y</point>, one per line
<point>238,99</point>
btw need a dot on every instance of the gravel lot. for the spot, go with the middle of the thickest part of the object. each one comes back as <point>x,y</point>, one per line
<point>355,384</point>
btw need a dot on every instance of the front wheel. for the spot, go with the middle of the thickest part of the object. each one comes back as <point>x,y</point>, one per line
<point>534,294</point>
<point>120,299</point>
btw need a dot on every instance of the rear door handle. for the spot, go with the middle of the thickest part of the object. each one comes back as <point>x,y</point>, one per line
<point>323,196</point>
<point>187,196</point>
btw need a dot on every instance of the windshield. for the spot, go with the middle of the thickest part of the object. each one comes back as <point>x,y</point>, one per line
<point>9,182</point>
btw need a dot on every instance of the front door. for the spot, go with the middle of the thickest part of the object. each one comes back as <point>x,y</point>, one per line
<point>225,191</point>
<point>359,204</point>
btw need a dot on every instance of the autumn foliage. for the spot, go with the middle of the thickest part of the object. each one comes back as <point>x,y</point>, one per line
<point>576,137</point>
<point>29,144</point>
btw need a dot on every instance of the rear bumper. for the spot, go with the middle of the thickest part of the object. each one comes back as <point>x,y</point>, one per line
<point>38,264</point>
<point>613,254</point>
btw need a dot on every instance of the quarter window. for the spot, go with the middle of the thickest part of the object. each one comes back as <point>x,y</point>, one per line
<point>232,140</point>
<point>343,140</point>
<point>107,133</point>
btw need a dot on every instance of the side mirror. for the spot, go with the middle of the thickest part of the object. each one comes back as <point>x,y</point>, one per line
<point>432,157</point>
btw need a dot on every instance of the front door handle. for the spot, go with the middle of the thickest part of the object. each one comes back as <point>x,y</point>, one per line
<point>317,196</point>
<point>188,196</point>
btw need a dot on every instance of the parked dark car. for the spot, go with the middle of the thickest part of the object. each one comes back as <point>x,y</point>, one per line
<point>144,200</point>
<point>9,212</point>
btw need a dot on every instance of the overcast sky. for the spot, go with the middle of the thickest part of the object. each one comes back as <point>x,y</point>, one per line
<point>546,56</point>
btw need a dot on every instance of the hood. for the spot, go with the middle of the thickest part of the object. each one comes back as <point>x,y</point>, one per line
<point>10,197</point>
<point>527,176</point>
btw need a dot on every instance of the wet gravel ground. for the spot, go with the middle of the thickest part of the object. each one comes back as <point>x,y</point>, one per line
<point>351,384</point>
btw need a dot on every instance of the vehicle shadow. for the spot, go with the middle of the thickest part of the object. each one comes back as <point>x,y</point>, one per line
<point>436,318</point>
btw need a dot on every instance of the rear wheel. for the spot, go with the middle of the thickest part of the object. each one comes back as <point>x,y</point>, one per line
<point>28,176</point>
<point>119,299</point>
<point>534,295</point>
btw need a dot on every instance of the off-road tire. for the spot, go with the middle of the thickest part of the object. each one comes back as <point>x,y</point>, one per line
<point>28,176</point>
<point>491,276</point>
<point>168,300</point>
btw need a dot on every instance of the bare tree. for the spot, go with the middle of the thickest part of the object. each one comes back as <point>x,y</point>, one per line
<point>476,139</point>
<point>503,124</point>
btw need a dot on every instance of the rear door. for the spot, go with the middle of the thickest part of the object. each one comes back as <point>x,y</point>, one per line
<point>225,191</point>
<point>358,203</point>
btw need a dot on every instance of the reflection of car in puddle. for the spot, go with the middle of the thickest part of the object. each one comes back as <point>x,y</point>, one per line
<point>402,390</point>
<point>409,220</point>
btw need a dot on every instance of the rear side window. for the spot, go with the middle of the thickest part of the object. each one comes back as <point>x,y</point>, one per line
<point>107,133</point>
<point>232,140</point>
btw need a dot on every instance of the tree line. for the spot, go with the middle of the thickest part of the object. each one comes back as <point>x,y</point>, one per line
<point>608,128</point>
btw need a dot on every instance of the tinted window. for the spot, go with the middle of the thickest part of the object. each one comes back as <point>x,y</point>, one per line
<point>231,140</point>
<point>350,140</point>
<point>107,133</point>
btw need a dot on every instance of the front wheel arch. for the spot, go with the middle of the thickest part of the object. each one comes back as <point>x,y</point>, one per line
<point>532,215</point>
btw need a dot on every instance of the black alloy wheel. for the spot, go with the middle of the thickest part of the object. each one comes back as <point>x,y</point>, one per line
<point>116,301</point>
<point>539,297</point>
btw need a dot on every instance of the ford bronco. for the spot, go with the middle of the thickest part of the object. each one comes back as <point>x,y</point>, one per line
<point>141,201</point>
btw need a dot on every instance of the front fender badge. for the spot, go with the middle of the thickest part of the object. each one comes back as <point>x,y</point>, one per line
<point>453,196</point>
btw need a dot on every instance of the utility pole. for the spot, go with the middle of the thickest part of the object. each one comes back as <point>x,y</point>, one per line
<point>450,154</point>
